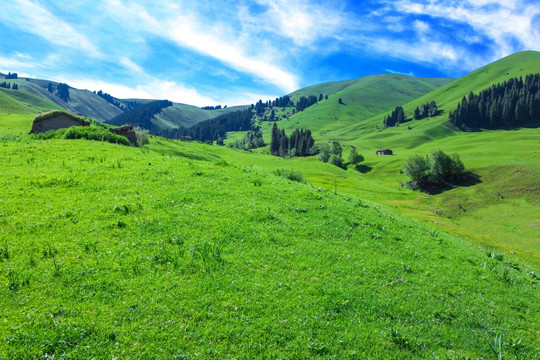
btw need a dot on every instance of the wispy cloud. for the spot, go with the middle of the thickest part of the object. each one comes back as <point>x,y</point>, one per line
<point>503,22</point>
<point>151,88</point>
<point>39,21</point>
<point>218,41</point>
<point>399,72</point>
<point>302,21</point>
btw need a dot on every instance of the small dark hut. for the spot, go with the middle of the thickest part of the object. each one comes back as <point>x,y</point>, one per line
<point>128,132</point>
<point>55,120</point>
<point>385,152</point>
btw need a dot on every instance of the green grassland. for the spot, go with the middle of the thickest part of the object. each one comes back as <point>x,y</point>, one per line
<point>362,98</point>
<point>18,109</point>
<point>172,251</point>
<point>499,211</point>
<point>185,250</point>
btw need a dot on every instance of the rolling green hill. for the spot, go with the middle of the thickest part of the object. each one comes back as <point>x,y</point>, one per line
<point>501,211</point>
<point>185,250</point>
<point>82,102</point>
<point>18,108</point>
<point>188,115</point>
<point>362,98</point>
<point>171,252</point>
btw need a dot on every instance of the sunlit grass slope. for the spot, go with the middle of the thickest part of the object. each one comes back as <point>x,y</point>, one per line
<point>447,98</point>
<point>361,99</point>
<point>18,108</point>
<point>501,211</point>
<point>109,251</point>
<point>188,115</point>
<point>81,101</point>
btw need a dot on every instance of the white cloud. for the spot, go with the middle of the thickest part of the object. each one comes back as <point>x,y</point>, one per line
<point>150,89</point>
<point>193,31</point>
<point>421,27</point>
<point>130,65</point>
<point>302,21</point>
<point>410,73</point>
<point>502,23</point>
<point>30,17</point>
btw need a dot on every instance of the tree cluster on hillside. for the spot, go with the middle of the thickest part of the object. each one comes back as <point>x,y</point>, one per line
<point>62,92</point>
<point>212,129</point>
<point>252,140</point>
<point>217,107</point>
<point>513,103</point>
<point>126,106</point>
<point>305,102</point>
<point>425,110</point>
<point>141,115</point>
<point>5,85</point>
<point>12,76</point>
<point>299,144</point>
<point>333,154</point>
<point>395,118</point>
<point>435,170</point>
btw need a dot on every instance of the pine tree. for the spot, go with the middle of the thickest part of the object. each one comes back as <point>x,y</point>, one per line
<point>274,143</point>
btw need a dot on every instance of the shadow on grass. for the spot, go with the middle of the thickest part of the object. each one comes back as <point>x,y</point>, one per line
<point>363,168</point>
<point>468,179</point>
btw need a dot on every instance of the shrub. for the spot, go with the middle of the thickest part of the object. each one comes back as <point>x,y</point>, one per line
<point>324,153</point>
<point>355,157</point>
<point>94,132</point>
<point>291,175</point>
<point>336,160</point>
<point>142,136</point>
<point>436,170</point>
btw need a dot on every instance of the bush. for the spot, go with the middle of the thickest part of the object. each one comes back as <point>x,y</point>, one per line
<point>142,136</point>
<point>324,153</point>
<point>336,160</point>
<point>94,132</point>
<point>436,170</point>
<point>291,175</point>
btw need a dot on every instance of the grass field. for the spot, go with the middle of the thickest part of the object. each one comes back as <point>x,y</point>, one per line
<point>506,161</point>
<point>186,250</point>
<point>172,251</point>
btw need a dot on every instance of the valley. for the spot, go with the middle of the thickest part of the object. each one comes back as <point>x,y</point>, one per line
<point>181,249</point>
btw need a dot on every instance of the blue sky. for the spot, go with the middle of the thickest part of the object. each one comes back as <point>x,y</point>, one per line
<point>236,52</point>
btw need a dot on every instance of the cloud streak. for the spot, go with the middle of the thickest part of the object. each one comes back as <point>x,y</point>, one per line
<point>218,42</point>
<point>37,20</point>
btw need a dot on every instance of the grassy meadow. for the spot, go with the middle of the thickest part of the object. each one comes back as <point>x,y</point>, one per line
<point>186,250</point>
<point>500,211</point>
<point>170,251</point>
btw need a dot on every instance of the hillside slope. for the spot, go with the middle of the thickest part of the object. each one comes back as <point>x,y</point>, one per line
<point>447,98</point>
<point>171,252</point>
<point>17,110</point>
<point>82,102</point>
<point>22,102</point>
<point>361,99</point>
<point>187,115</point>
<point>498,212</point>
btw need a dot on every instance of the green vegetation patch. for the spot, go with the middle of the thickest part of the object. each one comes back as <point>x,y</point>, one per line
<point>110,251</point>
<point>92,132</point>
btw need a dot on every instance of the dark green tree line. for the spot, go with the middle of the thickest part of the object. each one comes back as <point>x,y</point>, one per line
<point>142,115</point>
<point>514,103</point>
<point>395,118</point>
<point>425,110</point>
<point>300,143</point>
<point>212,129</point>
